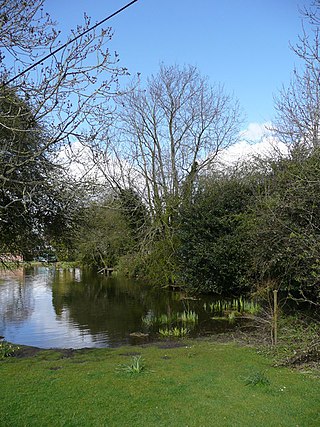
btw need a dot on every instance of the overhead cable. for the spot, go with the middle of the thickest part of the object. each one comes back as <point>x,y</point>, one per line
<point>68,42</point>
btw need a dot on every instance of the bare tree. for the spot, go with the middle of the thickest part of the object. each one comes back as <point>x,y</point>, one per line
<point>62,100</point>
<point>69,92</point>
<point>298,106</point>
<point>171,131</point>
<point>287,250</point>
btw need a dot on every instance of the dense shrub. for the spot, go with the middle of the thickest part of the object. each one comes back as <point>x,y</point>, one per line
<point>212,254</point>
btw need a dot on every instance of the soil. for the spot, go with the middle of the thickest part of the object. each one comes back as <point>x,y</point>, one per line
<point>26,351</point>
<point>66,353</point>
<point>241,337</point>
<point>259,339</point>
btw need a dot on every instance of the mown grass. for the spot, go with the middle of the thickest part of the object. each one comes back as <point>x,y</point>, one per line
<point>199,384</point>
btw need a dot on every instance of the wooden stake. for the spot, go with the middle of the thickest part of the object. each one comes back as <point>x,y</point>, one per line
<point>275,317</point>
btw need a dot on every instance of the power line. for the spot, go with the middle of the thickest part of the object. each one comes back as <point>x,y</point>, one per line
<point>68,42</point>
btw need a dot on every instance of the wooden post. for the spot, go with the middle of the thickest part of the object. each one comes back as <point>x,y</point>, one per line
<point>275,317</point>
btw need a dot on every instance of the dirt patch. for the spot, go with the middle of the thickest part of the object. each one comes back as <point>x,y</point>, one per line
<point>26,351</point>
<point>305,358</point>
<point>256,337</point>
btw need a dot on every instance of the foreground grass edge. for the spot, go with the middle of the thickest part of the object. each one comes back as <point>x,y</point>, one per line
<point>192,383</point>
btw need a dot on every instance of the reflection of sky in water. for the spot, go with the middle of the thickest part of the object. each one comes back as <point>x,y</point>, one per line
<point>27,315</point>
<point>70,308</point>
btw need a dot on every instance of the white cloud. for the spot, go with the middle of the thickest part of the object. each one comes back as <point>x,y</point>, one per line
<point>256,131</point>
<point>77,159</point>
<point>85,165</point>
<point>256,140</point>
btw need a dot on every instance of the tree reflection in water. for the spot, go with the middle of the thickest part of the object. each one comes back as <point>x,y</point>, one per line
<point>16,297</point>
<point>51,307</point>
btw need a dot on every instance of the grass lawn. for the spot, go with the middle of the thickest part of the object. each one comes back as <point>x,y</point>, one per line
<point>201,383</point>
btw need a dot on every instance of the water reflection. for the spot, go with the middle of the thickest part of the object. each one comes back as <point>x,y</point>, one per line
<point>97,304</point>
<point>73,308</point>
<point>16,302</point>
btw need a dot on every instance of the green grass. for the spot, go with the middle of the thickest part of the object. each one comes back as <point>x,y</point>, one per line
<point>257,378</point>
<point>201,383</point>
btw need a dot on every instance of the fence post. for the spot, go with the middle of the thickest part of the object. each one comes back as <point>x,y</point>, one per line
<point>275,317</point>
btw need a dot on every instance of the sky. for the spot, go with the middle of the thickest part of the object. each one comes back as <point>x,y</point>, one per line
<point>242,44</point>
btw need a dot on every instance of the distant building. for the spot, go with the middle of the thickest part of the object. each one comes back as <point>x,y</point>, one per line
<point>11,258</point>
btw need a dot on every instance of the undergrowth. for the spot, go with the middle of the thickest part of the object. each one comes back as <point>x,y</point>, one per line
<point>7,349</point>
<point>298,342</point>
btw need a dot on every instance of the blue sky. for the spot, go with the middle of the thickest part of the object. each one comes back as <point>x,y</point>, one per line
<point>241,44</point>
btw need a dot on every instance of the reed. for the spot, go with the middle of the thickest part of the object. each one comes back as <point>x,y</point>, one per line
<point>137,366</point>
<point>175,332</point>
<point>188,317</point>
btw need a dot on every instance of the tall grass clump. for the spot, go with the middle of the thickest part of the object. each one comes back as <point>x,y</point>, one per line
<point>7,349</point>
<point>137,366</point>
<point>175,332</point>
<point>189,317</point>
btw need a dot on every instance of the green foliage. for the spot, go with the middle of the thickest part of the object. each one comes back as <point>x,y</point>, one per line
<point>175,332</point>
<point>34,200</point>
<point>189,318</point>
<point>131,264</point>
<point>157,261</point>
<point>7,349</point>
<point>111,231</point>
<point>284,230</point>
<point>134,212</point>
<point>23,173</point>
<point>173,326</point>
<point>137,366</point>
<point>243,232</point>
<point>212,255</point>
<point>238,305</point>
<point>104,236</point>
<point>250,307</point>
<point>256,229</point>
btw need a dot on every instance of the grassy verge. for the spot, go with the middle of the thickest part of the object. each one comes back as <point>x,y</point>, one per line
<point>201,383</point>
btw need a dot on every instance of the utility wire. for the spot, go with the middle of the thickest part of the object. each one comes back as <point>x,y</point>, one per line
<point>68,42</point>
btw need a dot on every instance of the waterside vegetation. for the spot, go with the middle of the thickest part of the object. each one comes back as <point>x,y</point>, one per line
<point>156,200</point>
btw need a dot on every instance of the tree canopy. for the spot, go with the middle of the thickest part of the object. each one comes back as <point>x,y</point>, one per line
<point>42,110</point>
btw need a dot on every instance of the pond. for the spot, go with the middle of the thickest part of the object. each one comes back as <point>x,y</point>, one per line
<point>49,307</point>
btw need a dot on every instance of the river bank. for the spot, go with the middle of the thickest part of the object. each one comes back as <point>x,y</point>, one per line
<point>298,346</point>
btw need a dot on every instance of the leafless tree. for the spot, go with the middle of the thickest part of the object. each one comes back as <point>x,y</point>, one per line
<point>62,100</point>
<point>69,92</point>
<point>171,131</point>
<point>298,106</point>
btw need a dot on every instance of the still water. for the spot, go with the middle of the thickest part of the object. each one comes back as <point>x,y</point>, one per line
<point>72,308</point>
